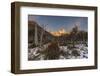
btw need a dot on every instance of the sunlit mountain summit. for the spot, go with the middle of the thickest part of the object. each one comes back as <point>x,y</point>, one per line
<point>59,32</point>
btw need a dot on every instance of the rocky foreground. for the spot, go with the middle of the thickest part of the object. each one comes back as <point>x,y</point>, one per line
<point>45,52</point>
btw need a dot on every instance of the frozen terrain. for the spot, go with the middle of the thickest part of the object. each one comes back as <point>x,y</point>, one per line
<point>79,52</point>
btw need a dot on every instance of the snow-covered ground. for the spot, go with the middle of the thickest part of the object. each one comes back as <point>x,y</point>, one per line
<point>80,52</point>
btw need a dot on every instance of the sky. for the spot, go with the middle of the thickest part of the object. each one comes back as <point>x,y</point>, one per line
<point>55,23</point>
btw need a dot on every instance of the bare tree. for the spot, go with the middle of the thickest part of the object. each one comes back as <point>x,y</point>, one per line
<point>36,35</point>
<point>42,33</point>
<point>73,34</point>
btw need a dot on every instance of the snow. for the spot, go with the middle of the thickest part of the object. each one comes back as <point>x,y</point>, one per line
<point>80,49</point>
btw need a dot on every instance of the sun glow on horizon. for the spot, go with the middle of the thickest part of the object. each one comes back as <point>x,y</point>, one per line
<point>59,32</point>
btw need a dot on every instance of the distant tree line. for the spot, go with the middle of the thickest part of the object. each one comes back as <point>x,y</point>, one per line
<point>75,36</point>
